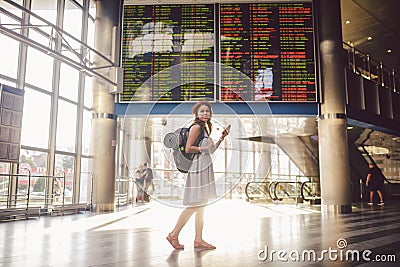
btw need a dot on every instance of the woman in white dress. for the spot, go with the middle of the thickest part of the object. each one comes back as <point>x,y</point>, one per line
<point>200,183</point>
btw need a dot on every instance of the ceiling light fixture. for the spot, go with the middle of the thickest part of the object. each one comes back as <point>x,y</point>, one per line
<point>369,38</point>
<point>347,22</point>
<point>389,51</point>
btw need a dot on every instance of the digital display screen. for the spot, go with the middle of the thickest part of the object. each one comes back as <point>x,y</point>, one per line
<point>270,43</point>
<point>158,37</point>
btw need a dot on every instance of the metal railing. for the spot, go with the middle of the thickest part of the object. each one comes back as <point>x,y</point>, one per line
<point>9,202</point>
<point>393,188</point>
<point>371,69</point>
<point>124,190</point>
<point>26,202</point>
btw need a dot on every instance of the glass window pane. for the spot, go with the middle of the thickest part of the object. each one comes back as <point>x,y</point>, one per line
<point>7,82</point>
<point>11,8</point>
<point>80,2</point>
<point>35,161</point>
<point>43,30</point>
<point>36,119</point>
<point>73,20</point>
<point>90,38</point>
<point>85,183</point>
<point>69,82</point>
<point>40,37</point>
<point>9,55</point>
<point>5,168</point>
<point>92,8</point>
<point>86,128</point>
<point>69,49</point>
<point>66,126</point>
<point>39,69</point>
<point>46,9</point>
<point>4,183</point>
<point>88,92</point>
<point>66,164</point>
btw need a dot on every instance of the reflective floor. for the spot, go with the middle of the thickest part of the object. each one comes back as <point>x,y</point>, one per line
<point>245,235</point>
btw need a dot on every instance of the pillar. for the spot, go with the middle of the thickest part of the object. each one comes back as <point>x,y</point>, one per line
<point>141,145</point>
<point>104,123</point>
<point>332,126</point>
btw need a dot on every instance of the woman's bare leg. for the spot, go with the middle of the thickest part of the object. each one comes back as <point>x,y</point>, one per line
<point>198,240</point>
<point>182,220</point>
<point>199,222</point>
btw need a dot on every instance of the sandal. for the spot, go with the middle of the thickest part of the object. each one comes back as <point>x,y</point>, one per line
<point>174,242</point>
<point>203,244</point>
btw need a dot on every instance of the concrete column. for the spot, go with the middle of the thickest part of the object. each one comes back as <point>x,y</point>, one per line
<point>136,148</point>
<point>104,123</point>
<point>332,126</point>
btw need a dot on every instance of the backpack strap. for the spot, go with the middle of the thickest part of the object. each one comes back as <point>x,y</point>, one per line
<point>201,135</point>
<point>197,142</point>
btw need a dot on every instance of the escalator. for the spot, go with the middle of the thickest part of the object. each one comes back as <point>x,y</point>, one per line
<point>285,191</point>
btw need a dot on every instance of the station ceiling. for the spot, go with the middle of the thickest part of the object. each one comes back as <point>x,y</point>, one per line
<point>377,19</point>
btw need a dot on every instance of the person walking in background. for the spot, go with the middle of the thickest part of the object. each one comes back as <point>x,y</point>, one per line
<point>139,186</point>
<point>200,183</point>
<point>374,183</point>
<point>148,178</point>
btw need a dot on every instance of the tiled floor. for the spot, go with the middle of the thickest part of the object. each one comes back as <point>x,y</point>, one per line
<point>135,236</point>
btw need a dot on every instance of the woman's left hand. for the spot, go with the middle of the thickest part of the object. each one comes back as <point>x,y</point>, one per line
<point>226,131</point>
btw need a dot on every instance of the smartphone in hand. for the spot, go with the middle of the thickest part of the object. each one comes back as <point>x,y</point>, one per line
<point>226,130</point>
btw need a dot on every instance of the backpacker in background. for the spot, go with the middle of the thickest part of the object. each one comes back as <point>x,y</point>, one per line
<point>177,142</point>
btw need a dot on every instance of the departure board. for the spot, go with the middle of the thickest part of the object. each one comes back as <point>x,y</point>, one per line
<point>269,43</point>
<point>272,43</point>
<point>158,37</point>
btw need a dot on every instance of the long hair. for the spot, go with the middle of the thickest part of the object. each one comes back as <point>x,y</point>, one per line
<point>196,108</point>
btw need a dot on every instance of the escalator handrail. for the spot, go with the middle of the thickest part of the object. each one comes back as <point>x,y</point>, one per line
<point>283,182</point>
<point>273,185</point>
<point>304,184</point>
<point>248,184</point>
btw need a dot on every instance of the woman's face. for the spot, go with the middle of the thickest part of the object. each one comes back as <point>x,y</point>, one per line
<point>204,113</point>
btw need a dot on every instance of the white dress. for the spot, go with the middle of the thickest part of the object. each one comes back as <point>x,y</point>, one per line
<point>200,183</point>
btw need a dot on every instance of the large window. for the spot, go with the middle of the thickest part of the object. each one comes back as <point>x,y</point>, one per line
<point>36,163</point>
<point>39,69</point>
<point>9,53</point>
<point>66,126</point>
<point>85,182</point>
<point>90,40</point>
<point>282,168</point>
<point>36,119</point>
<point>9,47</point>
<point>44,75</point>
<point>86,129</point>
<point>73,19</point>
<point>65,164</point>
<point>88,92</point>
<point>69,82</point>
<point>46,9</point>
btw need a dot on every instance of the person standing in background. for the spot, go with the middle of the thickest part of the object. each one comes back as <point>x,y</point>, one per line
<point>148,178</point>
<point>374,183</point>
<point>139,186</point>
